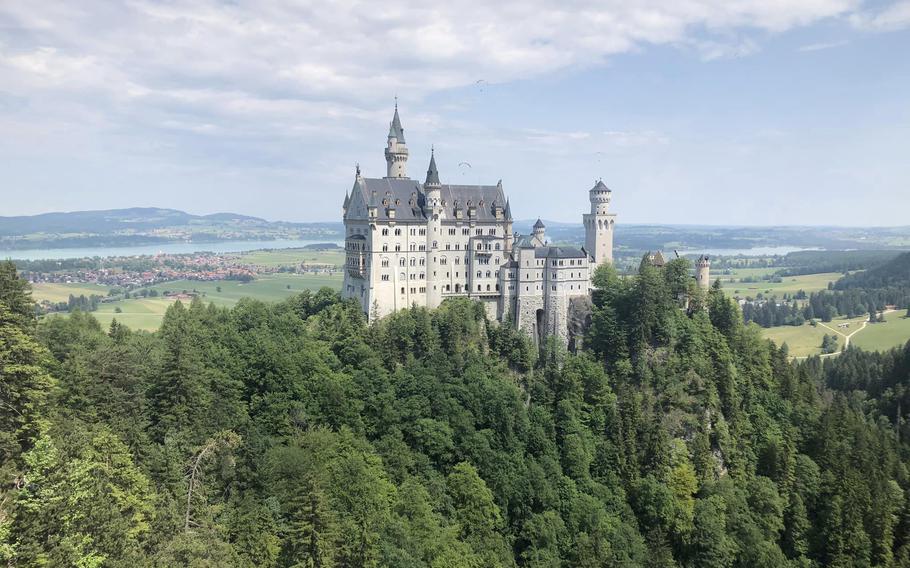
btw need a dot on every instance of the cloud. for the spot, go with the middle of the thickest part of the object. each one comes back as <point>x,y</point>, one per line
<point>892,18</point>
<point>822,46</point>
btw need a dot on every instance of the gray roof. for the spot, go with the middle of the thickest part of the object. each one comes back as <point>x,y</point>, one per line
<point>600,186</point>
<point>432,172</point>
<point>559,252</point>
<point>407,196</point>
<point>539,224</point>
<point>395,129</point>
<point>524,241</point>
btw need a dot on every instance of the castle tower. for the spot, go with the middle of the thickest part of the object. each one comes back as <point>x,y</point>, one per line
<point>703,272</point>
<point>433,210</point>
<point>396,152</point>
<point>599,225</point>
<point>540,231</point>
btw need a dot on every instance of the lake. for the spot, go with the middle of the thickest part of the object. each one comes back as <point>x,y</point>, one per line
<point>169,248</point>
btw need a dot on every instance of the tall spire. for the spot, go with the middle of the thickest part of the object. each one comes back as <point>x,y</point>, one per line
<point>395,129</point>
<point>432,172</point>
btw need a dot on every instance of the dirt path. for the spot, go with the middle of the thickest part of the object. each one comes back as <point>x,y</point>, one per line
<point>846,336</point>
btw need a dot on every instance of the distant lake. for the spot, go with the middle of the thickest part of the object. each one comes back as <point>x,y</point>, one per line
<point>169,248</point>
<point>757,251</point>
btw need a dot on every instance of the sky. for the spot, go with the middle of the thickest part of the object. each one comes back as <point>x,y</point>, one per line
<point>715,112</point>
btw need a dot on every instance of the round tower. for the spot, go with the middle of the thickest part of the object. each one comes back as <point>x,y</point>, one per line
<point>433,211</point>
<point>599,225</point>
<point>703,271</point>
<point>396,151</point>
<point>540,231</point>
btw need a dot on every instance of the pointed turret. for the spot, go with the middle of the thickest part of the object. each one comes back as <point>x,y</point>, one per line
<point>395,129</point>
<point>432,172</point>
<point>540,231</point>
<point>396,151</point>
<point>508,212</point>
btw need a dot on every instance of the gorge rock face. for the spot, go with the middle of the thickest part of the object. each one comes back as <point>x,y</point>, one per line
<point>578,320</point>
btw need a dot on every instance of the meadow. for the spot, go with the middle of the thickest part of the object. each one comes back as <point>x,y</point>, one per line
<point>789,284</point>
<point>894,332</point>
<point>147,313</point>
<point>60,292</point>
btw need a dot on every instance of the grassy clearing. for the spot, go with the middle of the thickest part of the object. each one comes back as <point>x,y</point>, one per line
<point>147,313</point>
<point>803,341</point>
<point>789,285</point>
<point>294,257</point>
<point>53,292</point>
<point>894,332</point>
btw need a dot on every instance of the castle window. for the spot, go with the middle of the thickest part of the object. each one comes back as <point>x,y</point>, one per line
<point>385,248</point>
<point>554,276</point>
<point>385,232</point>
<point>492,231</point>
<point>401,261</point>
<point>402,289</point>
<point>397,248</point>
<point>422,247</point>
<point>397,232</point>
<point>497,246</point>
<point>413,290</point>
<point>385,263</point>
<point>413,247</point>
<point>413,232</point>
<point>554,287</point>
<point>448,287</point>
<point>403,276</point>
<point>423,261</point>
<point>466,231</point>
<point>422,232</point>
<point>448,246</point>
<point>413,262</point>
<point>422,276</point>
<point>451,231</point>
<point>443,261</point>
<point>423,289</point>
<point>479,274</point>
<point>497,287</point>
<point>457,246</point>
<point>478,231</point>
<point>457,260</point>
<point>385,277</point>
<point>478,287</point>
<point>488,287</point>
<point>435,244</point>
<point>488,273</point>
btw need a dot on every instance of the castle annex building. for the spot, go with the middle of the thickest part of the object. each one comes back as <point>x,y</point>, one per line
<point>410,243</point>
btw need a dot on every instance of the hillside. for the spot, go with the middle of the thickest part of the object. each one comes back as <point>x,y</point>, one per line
<point>294,434</point>
<point>893,273</point>
<point>146,225</point>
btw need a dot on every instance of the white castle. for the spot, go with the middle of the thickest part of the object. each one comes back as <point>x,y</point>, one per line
<point>418,243</point>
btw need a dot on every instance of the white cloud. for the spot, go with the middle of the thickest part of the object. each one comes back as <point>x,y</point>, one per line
<point>892,18</point>
<point>821,46</point>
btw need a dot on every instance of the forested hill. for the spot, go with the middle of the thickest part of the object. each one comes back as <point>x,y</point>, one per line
<point>295,434</point>
<point>893,273</point>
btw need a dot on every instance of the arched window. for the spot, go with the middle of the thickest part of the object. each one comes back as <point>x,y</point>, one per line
<point>434,244</point>
<point>488,287</point>
<point>397,232</point>
<point>385,263</point>
<point>401,261</point>
<point>497,246</point>
<point>479,274</point>
<point>488,273</point>
<point>385,232</point>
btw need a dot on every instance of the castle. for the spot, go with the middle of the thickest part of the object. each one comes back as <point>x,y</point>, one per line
<point>410,243</point>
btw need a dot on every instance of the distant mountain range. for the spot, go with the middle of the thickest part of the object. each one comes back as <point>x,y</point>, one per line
<point>151,225</point>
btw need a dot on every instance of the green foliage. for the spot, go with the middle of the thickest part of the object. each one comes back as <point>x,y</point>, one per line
<point>295,434</point>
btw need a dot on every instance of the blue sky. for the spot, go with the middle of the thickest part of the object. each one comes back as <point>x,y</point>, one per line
<point>703,112</point>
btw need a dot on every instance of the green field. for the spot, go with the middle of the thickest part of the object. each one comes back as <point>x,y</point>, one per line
<point>146,313</point>
<point>789,285</point>
<point>894,332</point>
<point>293,257</point>
<point>53,292</point>
<point>806,340</point>
<point>802,341</point>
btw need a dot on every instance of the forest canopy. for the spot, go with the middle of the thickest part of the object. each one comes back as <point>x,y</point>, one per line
<point>297,434</point>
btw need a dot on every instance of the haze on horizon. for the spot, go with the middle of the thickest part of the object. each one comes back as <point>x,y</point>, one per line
<point>705,112</point>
